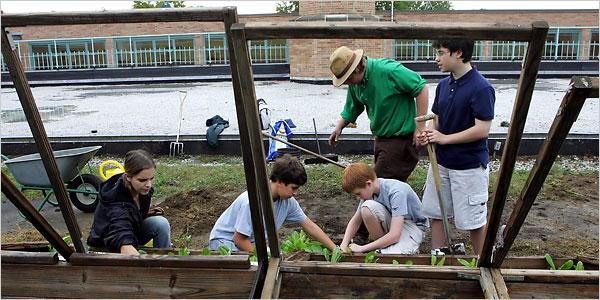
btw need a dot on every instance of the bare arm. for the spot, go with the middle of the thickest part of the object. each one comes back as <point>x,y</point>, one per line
<point>333,138</point>
<point>479,131</point>
<point>242,242</point>
<point>317,233</point>
<point>351,230</point>
<point>390,238</point>
<point>422,101</point>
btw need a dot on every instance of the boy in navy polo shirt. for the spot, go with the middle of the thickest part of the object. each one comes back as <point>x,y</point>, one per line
<point>464,109</point>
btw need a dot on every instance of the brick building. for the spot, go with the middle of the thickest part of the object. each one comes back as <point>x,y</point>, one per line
<point>573,36</point>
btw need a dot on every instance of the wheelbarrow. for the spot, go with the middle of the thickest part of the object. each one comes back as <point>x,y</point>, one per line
<point>83,188</point>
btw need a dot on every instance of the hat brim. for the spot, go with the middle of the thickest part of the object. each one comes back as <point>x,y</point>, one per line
<point>341,80</point>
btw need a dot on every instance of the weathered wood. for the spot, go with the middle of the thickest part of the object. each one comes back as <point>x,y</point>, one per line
<point>250,109</point>
<point>519,290</point>
<point>579,90</point>
<point>327,286</point>
<point>527,80</point>
<point>168,261</point>
<point>34,258</point>
<point>40,246</point>
<point>35,218</point>
<point>67,281</point>
<point>554,277</point>
<point>499,283</point>
<point>17,73</point>
<point>108,17</point>
<point>271,280</point>
<point>386,30</point>
<point>425,272</point>
<point>487,284</point>
<point>525,262</point>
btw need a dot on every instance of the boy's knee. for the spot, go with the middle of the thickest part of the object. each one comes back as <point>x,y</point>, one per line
<point>366,213</point>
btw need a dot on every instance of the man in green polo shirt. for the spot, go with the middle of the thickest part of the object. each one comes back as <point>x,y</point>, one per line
<point>388,90</point>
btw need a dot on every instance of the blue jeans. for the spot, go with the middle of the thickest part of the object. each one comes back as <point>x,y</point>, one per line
<point>157,228</point>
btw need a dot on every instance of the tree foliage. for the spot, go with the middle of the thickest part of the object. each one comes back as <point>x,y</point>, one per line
<point>158,4</point>
<point>286,7</point>
<point>413,5</point>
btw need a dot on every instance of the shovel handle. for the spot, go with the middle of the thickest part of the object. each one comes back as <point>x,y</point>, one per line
<point>317,136</point>
<point>305,150</point>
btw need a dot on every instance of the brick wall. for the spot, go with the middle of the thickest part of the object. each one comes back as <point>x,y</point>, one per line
<point>336,7</point>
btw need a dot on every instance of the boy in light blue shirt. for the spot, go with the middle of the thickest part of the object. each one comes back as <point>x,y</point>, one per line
<point>234,229</point>
<point>390,210</point>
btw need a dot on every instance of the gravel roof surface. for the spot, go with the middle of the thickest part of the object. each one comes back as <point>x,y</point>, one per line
<point>153,109</point>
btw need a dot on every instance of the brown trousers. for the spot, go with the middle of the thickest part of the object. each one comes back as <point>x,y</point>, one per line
<point>395,157</point>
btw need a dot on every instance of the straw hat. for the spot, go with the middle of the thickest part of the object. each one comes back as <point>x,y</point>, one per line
<point>342,63</point>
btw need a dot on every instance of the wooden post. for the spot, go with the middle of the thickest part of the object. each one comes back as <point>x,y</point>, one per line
<point>580,88</point>
<point>19,79</point>
<point>272,281</point>
<point>487,284</point>
<point>515,132</point>
<point>499,283</point>
<point>24,205</point>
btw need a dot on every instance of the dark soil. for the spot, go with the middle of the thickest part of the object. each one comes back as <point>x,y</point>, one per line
<point>563,221</point>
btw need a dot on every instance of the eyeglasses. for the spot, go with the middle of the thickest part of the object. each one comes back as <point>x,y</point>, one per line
<point>441,53</point>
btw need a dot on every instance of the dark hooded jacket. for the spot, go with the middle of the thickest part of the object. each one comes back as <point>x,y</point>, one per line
<point>118,220</point>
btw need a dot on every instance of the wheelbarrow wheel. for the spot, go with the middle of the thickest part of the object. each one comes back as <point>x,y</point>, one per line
<point>86,198</point>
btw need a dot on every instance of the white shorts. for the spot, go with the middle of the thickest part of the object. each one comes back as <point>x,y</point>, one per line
<point>465,194</point>
<point>410,238</point>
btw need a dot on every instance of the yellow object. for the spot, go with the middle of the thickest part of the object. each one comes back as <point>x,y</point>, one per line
<point>115,169</point>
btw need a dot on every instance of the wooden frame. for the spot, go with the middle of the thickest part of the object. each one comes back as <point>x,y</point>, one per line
<point>253,154</point>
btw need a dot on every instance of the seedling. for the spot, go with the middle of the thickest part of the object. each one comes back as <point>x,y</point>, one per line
<point>370,258</point>
<point>142,252</point>
<point>336,255</point>
<point>224,250</point>
<point>206,251</point>
<point>568,265</point>
<point>67,239</point>
<point>184,251</point>
<point>436,263</point>
<point>471,264</point>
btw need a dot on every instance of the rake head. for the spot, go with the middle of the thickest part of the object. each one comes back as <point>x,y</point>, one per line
<point>175,148</point>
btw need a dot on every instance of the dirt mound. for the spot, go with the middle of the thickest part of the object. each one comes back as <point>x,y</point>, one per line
<point>194,212</point>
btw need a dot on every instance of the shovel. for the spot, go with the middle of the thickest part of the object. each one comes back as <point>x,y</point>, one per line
<point>319,159</point>
<point>176,147</point>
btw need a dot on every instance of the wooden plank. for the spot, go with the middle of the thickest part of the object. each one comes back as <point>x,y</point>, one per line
<point>268,291</point>
<point>169,261</point>
<point>35,218</point>
<point>255,180</point>
<point>520,290</point>
<point>527,80</point>
<point>245,86</point>
<point>107,17</point>
<point>487,284</point>
<point>386,30</point>
<point>553,277</point>
<point>40,246</point>
<point>327,286</point>
<point>356,269</point>
<point>525,262</point>
<point>580,88</point>
<point>499,283</point>
<point>67,281</point>
<point>17,73</point>
<point>34,258</point>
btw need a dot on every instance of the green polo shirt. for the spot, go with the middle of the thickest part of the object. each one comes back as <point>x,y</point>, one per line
<point>388,92</point>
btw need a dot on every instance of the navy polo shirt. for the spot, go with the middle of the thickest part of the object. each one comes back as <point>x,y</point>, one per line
<point>458,103</point>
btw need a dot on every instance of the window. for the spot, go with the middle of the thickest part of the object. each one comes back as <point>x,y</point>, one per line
<point>269,51</point>
<point>154,51</point>
<point>593,55</point>
<point>413,50</point>
<point>68,54</point>
<point>215,48</point>
<point>562,44</point>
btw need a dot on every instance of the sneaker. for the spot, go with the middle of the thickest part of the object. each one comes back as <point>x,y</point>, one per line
<point>437,252</point>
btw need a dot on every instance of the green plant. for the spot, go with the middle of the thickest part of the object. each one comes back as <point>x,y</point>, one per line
<point>408,263</point>
<point>568,265</point>
<point>299,240</point>
<point>224,250</point>
<point>471,264</point>
<point>184,251</point>
<point>142,252</point>
<point>67,239</point>
<point>370,258</point>
<point>205,251</point>
<point>336,255</point>
<point>395,262</point>
<point>436,263</point>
